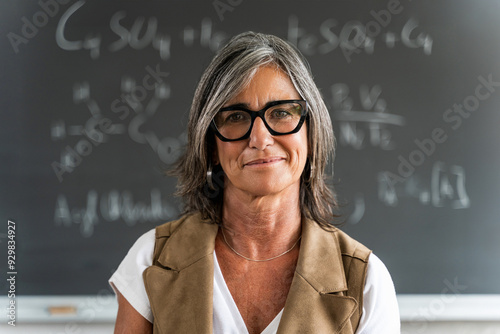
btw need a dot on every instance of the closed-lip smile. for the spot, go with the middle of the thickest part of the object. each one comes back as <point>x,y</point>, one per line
<point>263,161</point>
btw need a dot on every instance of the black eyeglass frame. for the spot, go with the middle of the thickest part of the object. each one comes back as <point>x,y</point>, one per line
<point>261,113</point>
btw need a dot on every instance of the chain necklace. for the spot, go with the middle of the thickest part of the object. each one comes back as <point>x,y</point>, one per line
<point>255,260</point>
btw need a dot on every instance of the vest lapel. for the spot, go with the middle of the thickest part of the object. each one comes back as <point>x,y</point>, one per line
<point>315,302</point>
<point>180,289</point>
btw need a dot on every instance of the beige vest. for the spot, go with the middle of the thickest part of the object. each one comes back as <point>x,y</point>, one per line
<point>326,295</point>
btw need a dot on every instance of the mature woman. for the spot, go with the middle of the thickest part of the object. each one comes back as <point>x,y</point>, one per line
<point>255,251</point>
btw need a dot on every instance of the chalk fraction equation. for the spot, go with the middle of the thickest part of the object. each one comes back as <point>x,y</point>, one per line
<point>363,117</point>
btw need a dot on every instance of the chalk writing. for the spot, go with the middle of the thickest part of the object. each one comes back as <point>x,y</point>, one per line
<point>367,126</point>
<point>449,184</point>
<point>81,94</point>
<point>142,33</point>
<point>93,133</point>
<point>159,41</point>
<point>446,188</point>
<point>207,36</point>
<point>133,106</point>
<point>168,149</point>
<point>114,206</point>
<point>353,36</point>
<point>90,42</point>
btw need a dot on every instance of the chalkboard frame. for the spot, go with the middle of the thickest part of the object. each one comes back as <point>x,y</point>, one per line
<point>412,308</point>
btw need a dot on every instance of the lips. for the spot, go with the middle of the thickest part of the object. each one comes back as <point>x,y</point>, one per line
<point>264,161</point>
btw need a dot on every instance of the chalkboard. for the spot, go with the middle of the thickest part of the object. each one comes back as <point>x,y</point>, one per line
<point>94,102</point>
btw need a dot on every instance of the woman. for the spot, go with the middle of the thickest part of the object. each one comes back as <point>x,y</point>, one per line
<point>255,251</point>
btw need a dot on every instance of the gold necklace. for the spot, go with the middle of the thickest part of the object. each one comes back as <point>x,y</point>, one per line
<point>255,260</point>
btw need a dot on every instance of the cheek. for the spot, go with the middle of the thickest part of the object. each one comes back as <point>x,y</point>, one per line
<point>303,144</point>
<point>222,149</point>
<point>227,154</point>
<point>298,151</point>
<point>302,158</point>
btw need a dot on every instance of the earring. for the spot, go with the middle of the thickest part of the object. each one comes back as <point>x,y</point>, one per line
<point>210,177</point>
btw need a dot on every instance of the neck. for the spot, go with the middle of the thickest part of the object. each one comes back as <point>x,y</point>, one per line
<point>261,227</point>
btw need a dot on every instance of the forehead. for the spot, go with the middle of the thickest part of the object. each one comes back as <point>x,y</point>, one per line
<point>269,83</point>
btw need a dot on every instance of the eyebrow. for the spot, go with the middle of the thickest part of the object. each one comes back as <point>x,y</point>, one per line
<point>247,106</point>
<point>238,105</point>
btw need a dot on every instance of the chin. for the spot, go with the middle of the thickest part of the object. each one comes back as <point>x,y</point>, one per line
<point>273,186</point>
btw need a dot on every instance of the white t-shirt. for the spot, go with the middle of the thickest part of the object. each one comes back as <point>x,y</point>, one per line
<point>380,308</point>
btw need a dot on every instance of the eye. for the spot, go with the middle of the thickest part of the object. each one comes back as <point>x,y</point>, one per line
<point>280,113</point>
<point>236,117</point>
<point>232,118</point>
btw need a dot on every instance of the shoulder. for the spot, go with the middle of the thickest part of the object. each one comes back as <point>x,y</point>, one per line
<point>376,267</point>
<point>169,228</point>
<point>355,259</point>
<point>378,279</point>
<point>350,247</point>
<point>127,279</point>
<point>146,242</point>
<point>380,306</point>
<point>140,255</point>
<point>177,232</point>
<point>142,249</point>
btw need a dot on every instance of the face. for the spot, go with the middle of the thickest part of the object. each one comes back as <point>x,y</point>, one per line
<point>264,164</point>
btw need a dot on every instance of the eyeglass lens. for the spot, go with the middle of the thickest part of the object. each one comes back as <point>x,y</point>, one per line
<point>282,118</point>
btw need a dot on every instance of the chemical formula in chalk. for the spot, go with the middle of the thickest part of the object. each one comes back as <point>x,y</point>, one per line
<point>354,37</point>
<point>94,132</point>
<point>363,119</point>
<point>134,108</point>
<point>141,34</point>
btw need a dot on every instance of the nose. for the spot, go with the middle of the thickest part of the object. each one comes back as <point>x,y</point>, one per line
<point>260,137</point>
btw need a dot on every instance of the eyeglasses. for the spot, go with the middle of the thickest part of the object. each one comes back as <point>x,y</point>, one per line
<point>280,118</point>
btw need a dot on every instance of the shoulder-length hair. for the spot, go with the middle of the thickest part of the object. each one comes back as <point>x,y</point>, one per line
<point>230,71</point>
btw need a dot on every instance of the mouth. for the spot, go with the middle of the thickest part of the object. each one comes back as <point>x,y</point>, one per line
<point>263,162</point>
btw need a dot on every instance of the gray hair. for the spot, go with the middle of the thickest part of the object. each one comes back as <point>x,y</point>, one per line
<point>229,73</point>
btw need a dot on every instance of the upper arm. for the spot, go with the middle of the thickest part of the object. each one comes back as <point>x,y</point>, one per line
<point>129,321</point>
<point>380,306</point>
<point>134,312</point>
